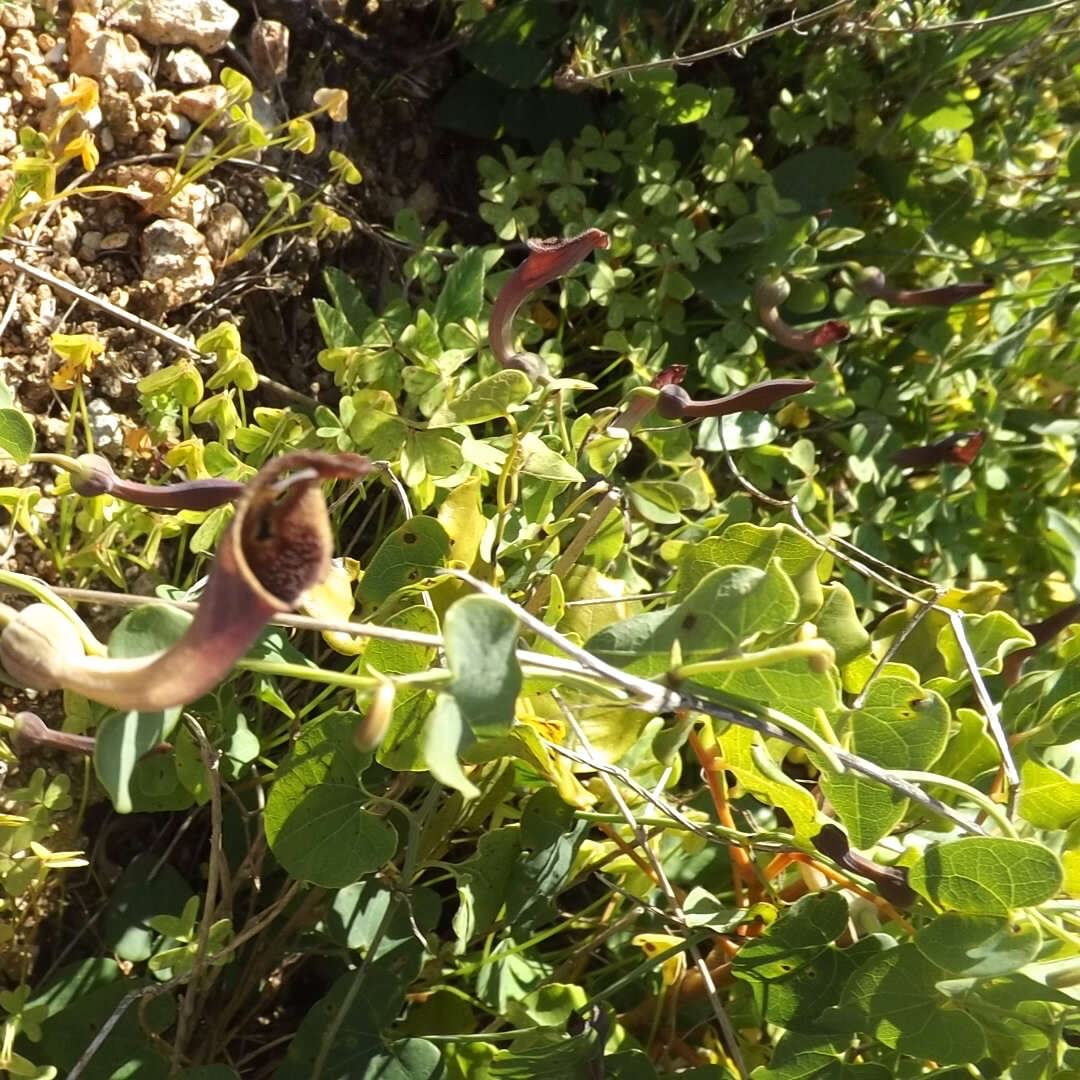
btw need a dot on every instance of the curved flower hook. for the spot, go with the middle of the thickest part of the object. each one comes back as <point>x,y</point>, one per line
<point>769,294</point>
<point>548,260</point>
<point>277,546</point>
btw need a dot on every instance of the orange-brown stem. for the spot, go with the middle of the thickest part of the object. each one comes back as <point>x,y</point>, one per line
<point>712,765</point>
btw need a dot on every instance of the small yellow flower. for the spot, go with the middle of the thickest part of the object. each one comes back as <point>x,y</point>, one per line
<point>84,95</point>
<point>334,101</point>
<point>57,860</point>
<point>84,147</point>
<point>138,442</point>
<point>653,945</point>
<point>78,352</point>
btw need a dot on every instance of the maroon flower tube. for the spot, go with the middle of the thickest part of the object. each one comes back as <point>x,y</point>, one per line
<point>674,403</point>
<point>1043,632</point>
<point>871,281</point>
<point>769,294</point>
<point>548,260</point>
<point>31,730</point>
<point>95,476</point>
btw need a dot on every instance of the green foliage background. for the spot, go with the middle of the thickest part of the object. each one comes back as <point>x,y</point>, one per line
<point>527,876</point>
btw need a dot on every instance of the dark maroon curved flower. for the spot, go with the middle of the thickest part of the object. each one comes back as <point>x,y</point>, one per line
<point>548,259</point>
<point>769,294</point>
<point>871,281</point>
<point>277,545</point>
<point>960,448</point>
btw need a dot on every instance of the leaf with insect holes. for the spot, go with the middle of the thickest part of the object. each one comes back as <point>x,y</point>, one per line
<point>803,932</point>
<point>416,550</point>
<point>899,726</point>
<point>727,607</point>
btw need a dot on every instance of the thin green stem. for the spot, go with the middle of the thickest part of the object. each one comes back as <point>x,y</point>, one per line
<point>40,591</point>
<point>984,802</point>
<point>816,649</point>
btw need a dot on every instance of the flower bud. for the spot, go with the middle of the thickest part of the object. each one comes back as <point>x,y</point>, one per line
<point>38,646</point>
<point>771,292</point>
<point>94,476</point>
<point>30,730</point>
<point>671,401</point>
<point>370,731</point>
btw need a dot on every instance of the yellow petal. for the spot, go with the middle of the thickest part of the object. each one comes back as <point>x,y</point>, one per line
<point>334,101</point>
<point>84,95</point>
